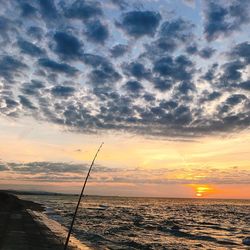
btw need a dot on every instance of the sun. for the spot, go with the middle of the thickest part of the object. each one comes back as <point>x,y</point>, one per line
<point>202,190</point>
<point>198,194</point>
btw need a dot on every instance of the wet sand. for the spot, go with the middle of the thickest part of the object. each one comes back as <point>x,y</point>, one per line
<point>20,230</point>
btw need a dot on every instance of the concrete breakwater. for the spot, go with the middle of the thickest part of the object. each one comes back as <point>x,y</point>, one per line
<point>20,230</point>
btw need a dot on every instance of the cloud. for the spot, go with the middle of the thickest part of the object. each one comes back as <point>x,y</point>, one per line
<point>235,99</point>
<point>68,172</point>
<point>26,102</point>
<point>221,20</point>
<point>207,52</point>
<point>3,166</point>
<point>133,86</point>
<point>211,72</point>
<point>96,31</point>
<point>122,4</point>
<point>84,10</point>
<point>67,46</point>
<point>245,85</point>
<point>212,96</point>
<point>48,9</point>
<point>162,45</point>
<point>35,32</point>
<point>10,103</point>
<point>47,167</point>
<point>173,34</point>
<point>28,10</point>
<point>140,23</point>
<point>30,48</point>
<point>176,69</point>
<point>162,84</point>
<point>95,66</point>
<point>57,67</point>
<point>177,29</point>
<point>6,25</point>
<point>192,49</point>
<point>242,50</point>
<point>10,66</point>
<point>32,88</point>
<point>62,91</point>
<point>103,71</point>
<point>137,70</point>
<point>232,71</point>
<point>186,87</point>
<point>118,50</point>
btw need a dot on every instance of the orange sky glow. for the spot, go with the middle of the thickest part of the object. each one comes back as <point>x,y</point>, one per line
<point>211,167</point>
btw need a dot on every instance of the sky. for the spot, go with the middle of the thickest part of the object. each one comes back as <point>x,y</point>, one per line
<point>164,84</point>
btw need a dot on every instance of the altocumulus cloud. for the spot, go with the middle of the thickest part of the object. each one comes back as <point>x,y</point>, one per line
<point>68,172</point>
<point>117,65</point>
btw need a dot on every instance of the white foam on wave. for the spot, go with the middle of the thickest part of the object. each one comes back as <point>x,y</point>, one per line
<point>59,230</point>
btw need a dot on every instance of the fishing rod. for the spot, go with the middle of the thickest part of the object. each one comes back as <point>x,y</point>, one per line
<point>80,197</point>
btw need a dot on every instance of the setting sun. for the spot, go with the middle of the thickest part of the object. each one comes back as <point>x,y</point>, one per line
<point>202,190</point>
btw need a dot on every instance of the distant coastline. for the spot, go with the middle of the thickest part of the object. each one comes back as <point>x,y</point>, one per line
<point>30,192</point>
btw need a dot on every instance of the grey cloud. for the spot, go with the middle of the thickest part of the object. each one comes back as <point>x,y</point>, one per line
<point>177,29</point>
<point>223,20</point>
<point>172,34</point>
<point>192,49</point>
<point>119,50</point>
<point>159,47</point>
<point>162,84</point>
<point>207,52</point>
<point>137,70</point>
<point>140,23</point>
<point>232,71</point>
<point>10,66</point>
<point>235,99</point>
<point>57,67</point>
<point>26,102</point>
<point>67,46</point>
<point>47,167</point>
<point>84,10</point>
<point>242,50</point>
<point>96,31</point>
<point>177,69</point>
<point>210,74</point>
<point>133,86</point>
<point>62,91</point>
<point>35,32</point>
<point>28,10</point>
<point>245,85</point>
<point>3,167</point>
<point>32,88</point>
<point>30,48</point>
<point>103,72</point>
<point>153,86</point>
<point>211,96</point>
<point>10,103</point>
<point>65,172</point>
<point>185,87</point>
<point>7,26</point>
<point>48,9</point>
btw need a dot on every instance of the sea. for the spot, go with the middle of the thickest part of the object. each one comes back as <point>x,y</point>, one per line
<point>151,223</point>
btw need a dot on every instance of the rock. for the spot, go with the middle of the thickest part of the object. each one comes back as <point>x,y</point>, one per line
<point>246,241</point>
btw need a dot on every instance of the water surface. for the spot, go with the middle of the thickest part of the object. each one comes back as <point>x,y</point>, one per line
<point>153,223</point>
